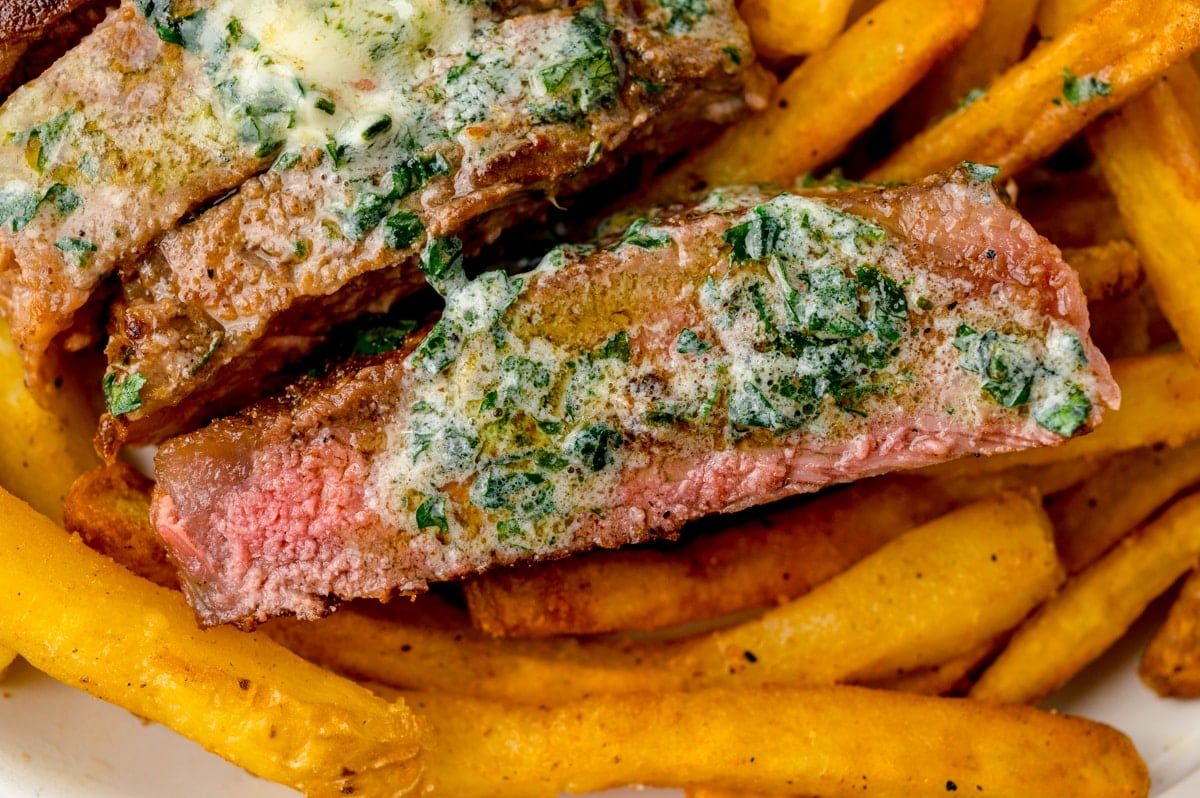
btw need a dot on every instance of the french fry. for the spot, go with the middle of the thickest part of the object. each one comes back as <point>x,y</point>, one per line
<point>856,627</point>
<point>1090,518</point>
<point>943,678</point>
<point>1150,153</point>
<point>995,45</point>
<point>42,449</point>
<point>754,563</point>
<point>1102,59</point>
<point>7,656</point>
<point>1160,404</point>
<point>830,98</point>
<point>1107,270</point>
<point>780,28</point>
<point>1074,208</point>
<point>1132,325</point>
<point>1094,609</point>
<point>109,508</point>
<point>1055,16</point>
<point>1171,663</point>
<point>87,622</point>
<point>834,741</point>
<point>763,560</point>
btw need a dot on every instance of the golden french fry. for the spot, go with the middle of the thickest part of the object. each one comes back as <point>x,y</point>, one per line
<point>1094,609</point>
<point>943,678</point>
<point>42,449</point>
<point>86,621</point>
<point>7,656</point>
<point>1046,479</point>
<point>1055,16</point>
<point>1092,517</point>
<point>1102,59</point>
<point>833,741</point>
<point>1171,663</point>
<point>1160,404</point>
<point>1150,153</point>
<point>830,98</point>
<point>109,507</point>
<point>1130,326</point>
<point>856,627</point>
<point>781,28</point>
<point>995,45</point>
<point>762,560</point>
<point>1107,270</point>
<point>1074,208</point>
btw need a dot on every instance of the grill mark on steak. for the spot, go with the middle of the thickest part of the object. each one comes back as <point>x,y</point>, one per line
<point>373,481</point>
<point>224,300</point>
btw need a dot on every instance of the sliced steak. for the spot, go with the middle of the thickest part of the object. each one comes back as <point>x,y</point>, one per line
<point>712,358</point>
<point>533,108</point>
<point>108,148</point>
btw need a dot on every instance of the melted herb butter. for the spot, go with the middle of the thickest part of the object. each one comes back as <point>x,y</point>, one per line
<point>806,315</point>
<point>1048,376</point>
<point>380,87</point>
<point>810,320</point>
<point>534,434</point>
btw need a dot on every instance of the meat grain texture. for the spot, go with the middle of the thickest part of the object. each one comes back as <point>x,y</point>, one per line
<point>700,360</point>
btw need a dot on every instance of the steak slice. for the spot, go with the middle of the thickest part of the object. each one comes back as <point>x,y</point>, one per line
<point>536,107</point>
<point>106,149</point>
<point>703,360</point>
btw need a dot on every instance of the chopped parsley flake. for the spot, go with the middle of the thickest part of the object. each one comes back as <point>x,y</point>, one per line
<point>980,172</point>
<point>432,513</point>
<point>617,346</point>
<point>1067,415</point>
<point>688,343</point>
<point>1077,90</point>
<point>122,395</point>
<point>382,338</point>
<point>77,251</point>
<point>638,236</point>
<point>1001,360</point>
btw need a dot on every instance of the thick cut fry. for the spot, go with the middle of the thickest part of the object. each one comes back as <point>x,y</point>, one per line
<point>84,620</point>
<point>760,561</point>
<point>836,741</point>
<point>1107,270</point>
<point>1055,16</point>
<point>995,45</point>
<point>109,507</point>
<point>830,98</point>
<point>856,627</point>
<point>1171,663</point>
<point>1101,60</point>
<point>1074,208</point>
<point>42,449</point>
<point>1092,517</point>
<point>1150,153</point>
<point>1160,404</point>
<point>781,28</point>
<point>1094,609</point>
<point>950,677</point>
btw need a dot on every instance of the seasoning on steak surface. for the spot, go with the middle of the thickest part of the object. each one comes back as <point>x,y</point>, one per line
<point>703,359</point>
<point>258,172</point>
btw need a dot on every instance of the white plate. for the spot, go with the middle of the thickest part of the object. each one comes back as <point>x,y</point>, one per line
<point>57,742</point>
